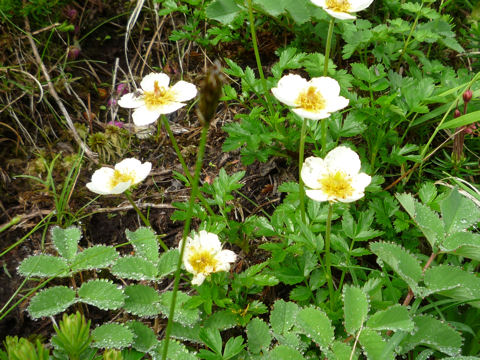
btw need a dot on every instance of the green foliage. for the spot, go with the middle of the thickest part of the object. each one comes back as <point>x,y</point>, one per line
<point>20,349</point>
<point>51,301</point>
<point>355,308</point>
<point>102,294</point>
<point>116,336</point>
<point>72,336</point>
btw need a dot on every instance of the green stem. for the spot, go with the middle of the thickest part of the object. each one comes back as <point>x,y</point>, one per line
<point>182,162</point>
<point>414,25</point>
<point>257,55</point>
<point>328,46</point>
<point>300,165</point>
<point>186,231</point>
<point>323,139</point>
<point>328,263</point>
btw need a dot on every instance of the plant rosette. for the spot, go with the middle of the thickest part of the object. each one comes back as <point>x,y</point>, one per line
<point>342,9</point>
<point>315,99</point>
<point>156,97</point>
<point>335,178</point>
<point>128,172</point>
<point>203,255</point>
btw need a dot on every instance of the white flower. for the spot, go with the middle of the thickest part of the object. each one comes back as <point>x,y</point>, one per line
<point>335,178</point>
<point>342,9</point>
<point>128,172</point>
<point>314,99</point>
<point>156,97</point>
<point>204,255</point>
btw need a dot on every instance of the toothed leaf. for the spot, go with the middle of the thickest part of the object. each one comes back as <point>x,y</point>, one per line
<point>464,244</point>
<point>258,335</point>
<point>182,315</point>
<point>145,338</point>
<point>434,334</point>
<point>101,293</point>
<point>395,318</point>
<point>66,241</point>
<point>459,213</point>
<point>43,266</point>
<point>135,268</point>
<point>283,352</point>
<point>316,325</point>
<point>168,262</point>
<point>283,316</point>
<point>374,346</point>
<point>112,336</point>
<point>355,308</point>
<point>51,301</point>
<point>145,243</point>
<point>95,257</point>
<point>176,351</point>
<point>141,300</point>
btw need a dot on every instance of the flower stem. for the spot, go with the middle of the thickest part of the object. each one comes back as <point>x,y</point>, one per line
<point>301,189</point>
<point>257,55</point>
<point>144,219</point>
<point>182,162</point>
<point>323,139</point>
<point>186,231</point>
<point>327,254</point>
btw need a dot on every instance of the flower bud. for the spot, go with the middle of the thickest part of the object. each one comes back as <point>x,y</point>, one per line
<point>122,89</point>
<point>210,92</point>
<point>73,52</point>
<point>112,102</point>
<point>467,95</point>
<point>456,113</point>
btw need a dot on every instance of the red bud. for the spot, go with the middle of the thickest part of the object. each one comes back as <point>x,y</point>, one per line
<point>457,113</point>
<point>467,95</point>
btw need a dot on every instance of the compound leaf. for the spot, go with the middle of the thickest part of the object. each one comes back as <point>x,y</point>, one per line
<point>102,294</point>
<point>51,301</point>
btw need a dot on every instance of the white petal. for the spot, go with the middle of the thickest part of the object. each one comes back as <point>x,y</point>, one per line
<point>209,241</point>
<point>320,3</point>
<point>359,5</point>
<point>128,165</point>
<point>148,81</point>
<point>327,86</point>
<point>317,195</point>
<point>121,187</point>
<point>184,91</point>
<point>227,256</point>
<point>288,88</point>
<point>343,159</point>
<point>305,114</point>
<point>198,279</point>
<point>337,103</point>
<point>131,101</point>
<point>144,116</point>
<point>142,172</point>
<point>340,15</point>
<point>313,170</point>
<point>360,182</point>
<point>354,197</point>
<point>100,183</point>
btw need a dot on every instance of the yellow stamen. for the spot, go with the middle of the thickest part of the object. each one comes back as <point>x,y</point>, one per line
<point>311,100</point>
<point>119,177</point>
<point>338,5</point>
<point>203,262</point>
<point>337,185</point>
<point>159,96</point>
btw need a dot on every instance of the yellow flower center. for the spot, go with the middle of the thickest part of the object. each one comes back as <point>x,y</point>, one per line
<point>159,96</point>
<point>311,100</point>
<point>203,262</point>
<point>120,177</point>
<point>337,185</point>
<point>338,5</point>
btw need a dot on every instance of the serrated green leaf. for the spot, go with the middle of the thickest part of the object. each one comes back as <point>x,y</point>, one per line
<point>426,219</point>
<point>464,244</point>
<point>258,335</point>
<point>95,257</point>
<point>43,266</point>
<point>342,351</point>
<point>213,339</point>
<point>141,300</point>
<point>458,212</point>
<point>283,352</point>
<point>176,351</point>
<point>182,315</point>
<point>453,282</point>
<point>355,305</point>
<point>222,320</point>
<point>66,241</point>
<point>395,318</point>
<point>233,347</point>
<point>145,243</point>
<point>316,325</point>
<point>144,337</point>
<point>112,336</point>
<point>51,301</point>
<point>224,11</point>
<point>434,334</point>
<point>101,293</point>
<point>374,346</point>
<point>402,262</point>
<point>168,262</point>
<point>135,268</point>
<point>187,333</point>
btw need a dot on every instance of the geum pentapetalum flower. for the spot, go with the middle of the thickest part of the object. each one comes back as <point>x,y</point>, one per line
<point>335,178</point>
<point>204,255</point>
<point>128,172</point>
<point>156,97</point>
<point>315,99</point>
<point>343,9</point>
